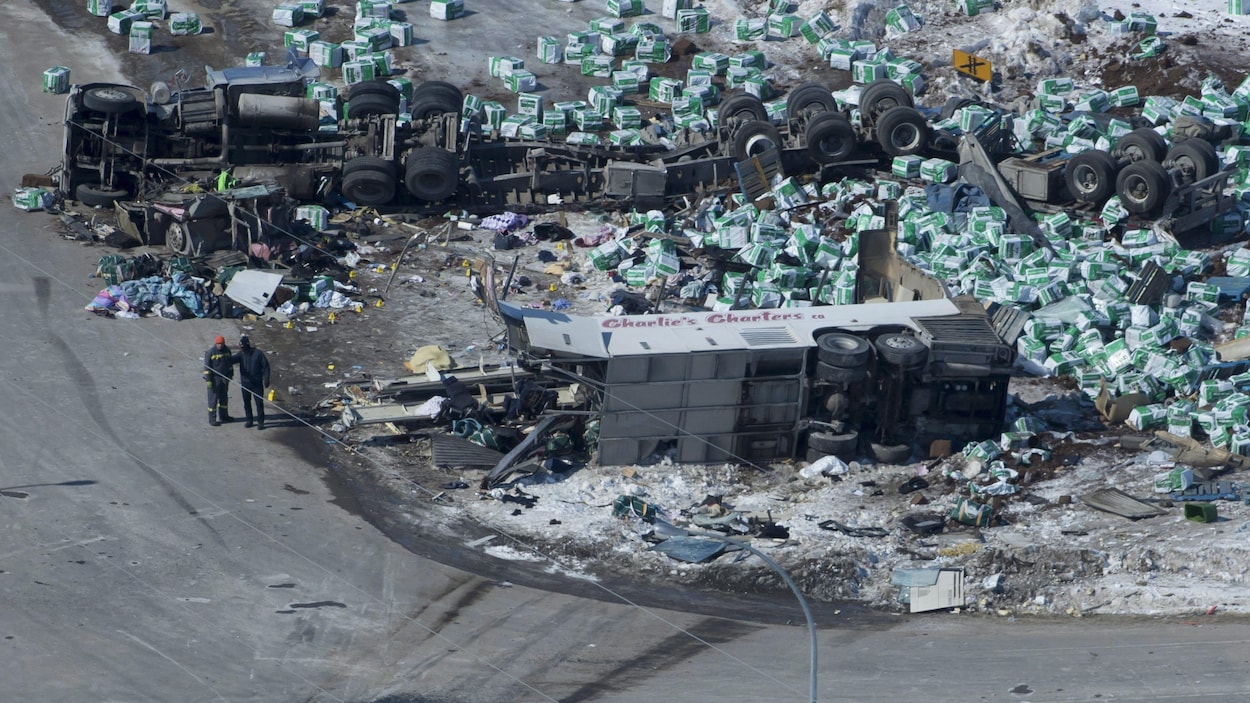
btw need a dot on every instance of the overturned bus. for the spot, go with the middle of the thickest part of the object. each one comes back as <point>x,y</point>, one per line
<point>902,368</point>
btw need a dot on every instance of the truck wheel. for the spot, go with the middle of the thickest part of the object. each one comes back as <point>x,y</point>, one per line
<point>903,350</point>
<point>1195,158</point>
<point>371,104</point>
<point>809,100</point>
<point>1142,143</point>
<point>902,131</point>
<point>368,187</point>
<point>1091,176</point>
<point>96,195</point>
<point>432,174</point>
<point>110,99</point>
<point>1143,186</point>
<point>433,98</point>
<point>369,163</point>
<point>890,453</point>
<point>830,138</point>
<point>743,107</point>
<point>374,87</point>
<point>179,240</point>
<point>839,445</point>
<point>840,349</point>
<point>840,374</point>
<point>880,96</point>
<point>754,138</point>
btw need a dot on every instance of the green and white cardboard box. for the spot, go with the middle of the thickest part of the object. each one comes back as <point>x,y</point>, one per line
<point>355,50</point>
<point>784,26</point>
<point>471,106</point>
<point>381,61</point>
<point>313,8</point>
<point>663,89</point>
<point>520,81</point>
<point>625,8</point>
<point>287,15</point>
<point>906,166</point>
<point>867,70</point>
<point>141,37</point>
<point>56,80</point>
<point>31,199</point>
<point>255,58</point>
<point>100,8</point>
<point>446,9</point>
<point>378,38</point>
<point>119,22</point>
<point>503,65</point>
<point>533,131</point>
<point>653,50</point>
<point>530,104</point>
<point>816,27</point>
<point>550,50</point>
<point>375,9</point>
<point>321,91</point>
<point>749,59</point>
<point>590,39</point>
<point>511,125</point>
<point>151,9</point>
<point>1239,7</point>
<point>669,8</point>
<point>901,20</point>
<point>625,81</point>
<point>300,39</point>
<point>493,114</point>
<point>555,121</point>
<point>184,23</point>
<point>315,215</point>
<point>574,54</point>
<point>358,71</point>
<point>627,117</point>
<point>326,54</point>
<point>603,98</point>
<point>752,29</point>
<point>606,26</point>
<point>693,21</point>
<point>625,137</point>
<point>597,66</point>
<point>588,119</point>
<point>618,44</point>
<point>401,33</point>
<point>711,61</point>
<point>638,68</point>
<point>583,138</point>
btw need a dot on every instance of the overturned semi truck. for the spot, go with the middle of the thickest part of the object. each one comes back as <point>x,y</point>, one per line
<point>902,368</point>
<point>122,143</point>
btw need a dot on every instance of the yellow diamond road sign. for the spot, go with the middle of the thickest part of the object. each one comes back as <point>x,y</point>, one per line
<point>970,65</point>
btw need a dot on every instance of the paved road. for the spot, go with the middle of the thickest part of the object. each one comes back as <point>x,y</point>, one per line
<point>147,557</point>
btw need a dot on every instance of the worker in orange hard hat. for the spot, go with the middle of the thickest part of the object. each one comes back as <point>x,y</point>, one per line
<point>218,370</point>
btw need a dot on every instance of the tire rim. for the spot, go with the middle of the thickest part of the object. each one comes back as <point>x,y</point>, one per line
<point>758,144</point>
<point>1136,189</point>
<point>900,342</point>
<point>116,94</point>
<point>832,145</point>
<point>1085,178</point>
<point>905,136</point>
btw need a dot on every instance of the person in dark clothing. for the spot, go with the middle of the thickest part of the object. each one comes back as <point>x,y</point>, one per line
<point>218,370</point>
<point>254,378</point>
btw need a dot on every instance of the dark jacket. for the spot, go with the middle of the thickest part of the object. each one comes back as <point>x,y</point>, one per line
<point>218,363</point>
<point>253,367</point>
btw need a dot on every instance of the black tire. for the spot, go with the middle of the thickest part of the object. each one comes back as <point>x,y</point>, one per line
<point>374,87</point>
<point>743,108</point>
<point>1142,143</point>
<point>179,240</point>
<point>368,187</point>
<point>840,374</point>
<point>839,445</point>
<point>841,349</point>
<point>369,163</point>
<point>753,138</point>
<point>902,131</point>
<point>830,138</point>
<point>371,104</point>
<point>433,174</point>
<point>900,349</point>
<point>837,404</point>
<point>433,98</point>
<point>809,99</point>
<point>1090,176</point>
<point>110,99</point>
<point>879,96</point>
<point>890,453</point>
<point>1195,158</point>
<point>1143,187</point>
<point>96,195</point>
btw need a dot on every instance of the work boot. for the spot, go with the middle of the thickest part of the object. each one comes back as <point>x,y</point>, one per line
<point>225,417</point>
<point>248,423</point>
<point>212,420</point>
<point>260,425</point>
